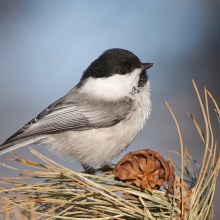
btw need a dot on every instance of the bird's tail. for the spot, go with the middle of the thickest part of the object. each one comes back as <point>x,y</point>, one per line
<point>12,145</point>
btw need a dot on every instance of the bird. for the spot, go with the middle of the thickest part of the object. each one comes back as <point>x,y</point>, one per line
<point>98,118</point>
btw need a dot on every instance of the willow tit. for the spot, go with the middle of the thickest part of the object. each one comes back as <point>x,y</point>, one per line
<point>99,117</point>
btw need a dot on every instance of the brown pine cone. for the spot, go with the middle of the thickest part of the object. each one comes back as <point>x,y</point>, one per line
<point>145,169</point>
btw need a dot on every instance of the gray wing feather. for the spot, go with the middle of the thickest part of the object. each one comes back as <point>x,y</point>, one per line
<point>61,116</point>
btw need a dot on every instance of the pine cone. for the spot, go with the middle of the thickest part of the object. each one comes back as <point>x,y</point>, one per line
<point>145,169</point>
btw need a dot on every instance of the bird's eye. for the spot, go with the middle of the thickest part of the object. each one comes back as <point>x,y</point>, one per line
<point>123,71</point>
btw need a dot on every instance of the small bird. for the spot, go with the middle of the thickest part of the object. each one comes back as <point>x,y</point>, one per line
<point>97,119</point>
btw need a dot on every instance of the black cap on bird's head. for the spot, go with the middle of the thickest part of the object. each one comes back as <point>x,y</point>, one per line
<point>114,61</point>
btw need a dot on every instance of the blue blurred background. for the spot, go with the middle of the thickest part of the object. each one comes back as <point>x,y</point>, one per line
<point>46,45</point>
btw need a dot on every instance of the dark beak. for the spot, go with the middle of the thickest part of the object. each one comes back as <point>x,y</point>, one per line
<point>145,66</point>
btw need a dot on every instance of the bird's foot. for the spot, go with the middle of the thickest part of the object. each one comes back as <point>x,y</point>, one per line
<point>103,168</point>
<point>88,169</point>
<point>107,167</point>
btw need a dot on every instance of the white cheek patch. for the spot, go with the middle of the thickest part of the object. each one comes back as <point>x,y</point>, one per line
<point>113,87</point>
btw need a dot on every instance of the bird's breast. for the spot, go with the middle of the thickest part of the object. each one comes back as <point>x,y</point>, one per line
<point>100,146</point>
